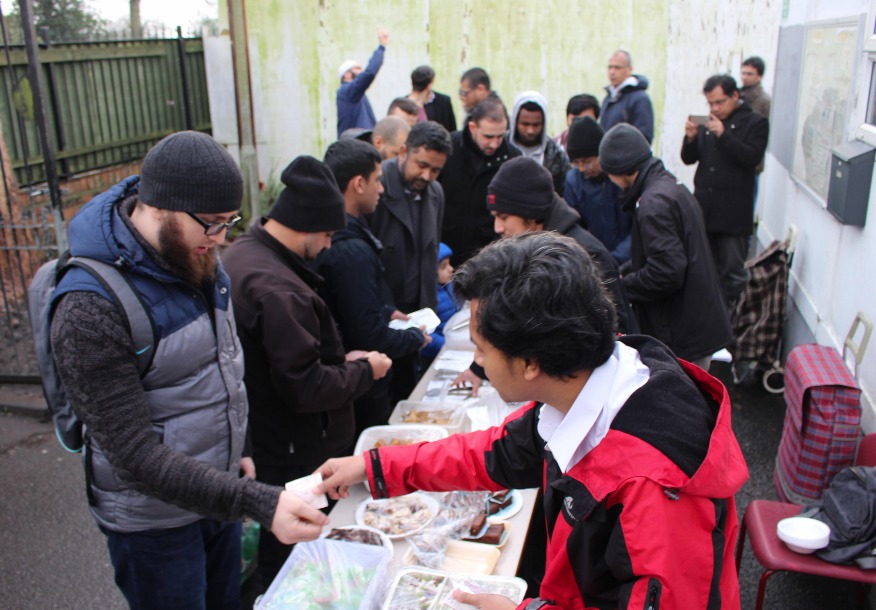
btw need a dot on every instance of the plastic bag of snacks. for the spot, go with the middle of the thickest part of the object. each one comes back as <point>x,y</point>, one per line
<point>329,574</point>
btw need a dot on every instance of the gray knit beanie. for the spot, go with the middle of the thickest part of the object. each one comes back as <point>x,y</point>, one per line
<point>623,150</point>
<point>189,171</point>
<point>311,201</point>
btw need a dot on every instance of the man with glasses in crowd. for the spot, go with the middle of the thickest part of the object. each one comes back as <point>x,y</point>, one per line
<point>167,479</point>
<point>729,147</point>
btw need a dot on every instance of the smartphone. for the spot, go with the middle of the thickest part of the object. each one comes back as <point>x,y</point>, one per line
<point>699,119</point>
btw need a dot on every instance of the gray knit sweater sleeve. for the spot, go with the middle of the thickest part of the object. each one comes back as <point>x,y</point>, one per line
<point>95,358</point>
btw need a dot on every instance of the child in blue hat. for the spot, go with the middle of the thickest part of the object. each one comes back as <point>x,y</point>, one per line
<point>446,303</point>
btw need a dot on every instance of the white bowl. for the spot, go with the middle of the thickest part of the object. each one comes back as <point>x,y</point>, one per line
<point>803,535</point>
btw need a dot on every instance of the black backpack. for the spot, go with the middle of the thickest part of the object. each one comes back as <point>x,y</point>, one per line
<point>68,427</point>
<point>848,506</point>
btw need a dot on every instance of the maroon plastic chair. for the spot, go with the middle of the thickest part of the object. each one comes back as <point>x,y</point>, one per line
<point>759,522</point>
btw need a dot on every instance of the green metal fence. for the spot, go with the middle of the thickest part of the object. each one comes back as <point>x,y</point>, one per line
<point>107,102</point>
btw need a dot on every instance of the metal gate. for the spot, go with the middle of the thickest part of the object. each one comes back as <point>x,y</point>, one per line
<point>27,239</point>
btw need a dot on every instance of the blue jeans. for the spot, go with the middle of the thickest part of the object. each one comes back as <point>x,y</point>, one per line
<point>196,566</point>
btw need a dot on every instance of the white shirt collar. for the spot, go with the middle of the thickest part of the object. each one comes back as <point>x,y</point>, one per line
<point>571,436</point>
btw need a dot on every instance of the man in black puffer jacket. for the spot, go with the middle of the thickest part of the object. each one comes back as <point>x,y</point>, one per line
<point>670,278</point>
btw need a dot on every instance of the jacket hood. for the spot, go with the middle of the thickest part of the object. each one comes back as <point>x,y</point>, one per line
<point>525,98</point>
<point>561,216</point>
<point>719,472</point>
<point>444,251</point>
<point>98,231</point>
<point>635,82</point>
<point>356,229</point>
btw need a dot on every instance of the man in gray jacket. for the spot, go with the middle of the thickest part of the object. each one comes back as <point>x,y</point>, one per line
<point>164,452</point>
<point>408,223</point>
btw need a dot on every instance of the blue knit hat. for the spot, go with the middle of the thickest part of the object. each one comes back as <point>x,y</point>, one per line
<point>444,251</point>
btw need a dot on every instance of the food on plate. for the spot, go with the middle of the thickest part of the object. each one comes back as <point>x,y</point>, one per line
<point>478,524</point>
<point>499,501</point>
<point>397,516</point>
<point>394,442</point>
<point>493,535</point>
<point>352,534</point>
<point>428,416</point>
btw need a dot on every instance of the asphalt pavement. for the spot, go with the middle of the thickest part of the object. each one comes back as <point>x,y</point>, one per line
<point>53,556</point>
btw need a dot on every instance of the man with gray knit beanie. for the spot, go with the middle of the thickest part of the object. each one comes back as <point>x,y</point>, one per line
<point>167,478</point>
<point>670,278</point>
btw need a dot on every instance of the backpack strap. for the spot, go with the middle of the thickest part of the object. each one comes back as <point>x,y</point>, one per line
<point>129,303</point>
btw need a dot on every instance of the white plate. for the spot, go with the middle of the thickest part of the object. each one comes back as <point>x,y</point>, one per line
<point>384,539</point>
<point>510,510</point>
<point>431,506</point>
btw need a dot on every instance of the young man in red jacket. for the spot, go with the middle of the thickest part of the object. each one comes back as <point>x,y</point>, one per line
<point>632,447</point>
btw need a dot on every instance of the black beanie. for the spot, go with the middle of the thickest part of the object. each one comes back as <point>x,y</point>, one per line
<point>624,150</point>
<point>311,201</point>
<point>585,134</point>
<point>189,171</point>
<point>521,187</point>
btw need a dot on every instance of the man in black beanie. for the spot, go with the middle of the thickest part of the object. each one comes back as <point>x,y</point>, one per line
<point>670,277</point>
<point>301,385</point>
<point>521,198</point>
<point>592,194</point>
<point>165,445</point>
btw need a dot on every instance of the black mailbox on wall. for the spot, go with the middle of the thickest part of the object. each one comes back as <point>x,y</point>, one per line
<point>851,171</point>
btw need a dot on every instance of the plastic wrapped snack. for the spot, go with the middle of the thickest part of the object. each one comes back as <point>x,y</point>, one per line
<point>329,574</point>
<point>454,521</point>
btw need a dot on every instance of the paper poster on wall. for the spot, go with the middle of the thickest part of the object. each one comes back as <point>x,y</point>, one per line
<point>830,53</point>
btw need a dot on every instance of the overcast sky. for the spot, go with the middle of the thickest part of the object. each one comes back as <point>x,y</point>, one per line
<point>170,12</point>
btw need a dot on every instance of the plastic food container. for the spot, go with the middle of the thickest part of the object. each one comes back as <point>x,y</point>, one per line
<point>426,589</point>
<point>803,535</point>
<point>329,573</point>
<point>402,434</point>
<point>465,557</point>
<point>449,416</point>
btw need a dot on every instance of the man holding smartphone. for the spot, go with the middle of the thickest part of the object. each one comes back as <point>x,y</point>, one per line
<point>728,144</point>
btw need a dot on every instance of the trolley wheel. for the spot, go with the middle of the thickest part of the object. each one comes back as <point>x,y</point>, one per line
<point>774,380</point>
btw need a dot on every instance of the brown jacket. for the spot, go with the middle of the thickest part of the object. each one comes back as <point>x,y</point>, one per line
<point>300,387</point>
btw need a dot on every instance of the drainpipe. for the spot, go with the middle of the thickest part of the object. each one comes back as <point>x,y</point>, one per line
<point>249,164</point>
<point>34,68</point>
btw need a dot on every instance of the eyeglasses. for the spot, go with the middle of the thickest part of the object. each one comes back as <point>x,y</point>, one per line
<point>215,228</point>
<point>464,93</point>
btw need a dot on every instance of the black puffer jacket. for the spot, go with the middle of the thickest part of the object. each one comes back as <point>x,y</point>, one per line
<point>724,182</point>
<point>564,219</point>
<point>672,280</point>
<point>468,225</point>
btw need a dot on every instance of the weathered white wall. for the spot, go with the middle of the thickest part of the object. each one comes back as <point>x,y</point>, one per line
<point>706,38</point>
<point>830,280</point>
<point>561,47</point>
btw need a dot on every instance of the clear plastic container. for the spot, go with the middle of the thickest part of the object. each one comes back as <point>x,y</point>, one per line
<point>427,589</point>
<point>329,573</point>
<point>447,415</point>
<point>401,434</point>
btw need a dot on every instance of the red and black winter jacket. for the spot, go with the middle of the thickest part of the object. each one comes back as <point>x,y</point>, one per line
<point>646,519</point>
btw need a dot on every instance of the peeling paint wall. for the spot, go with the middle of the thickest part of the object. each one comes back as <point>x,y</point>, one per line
<point>559,47</point>
<point>706,38</point>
